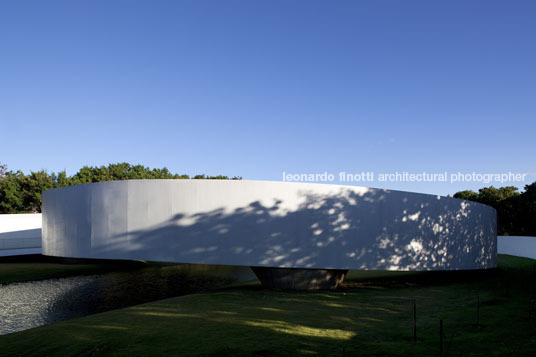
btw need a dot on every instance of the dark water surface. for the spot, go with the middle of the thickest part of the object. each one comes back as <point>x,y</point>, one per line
<point>35,303</point>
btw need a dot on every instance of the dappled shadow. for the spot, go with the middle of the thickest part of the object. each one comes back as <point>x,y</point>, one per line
<point>348,229</point>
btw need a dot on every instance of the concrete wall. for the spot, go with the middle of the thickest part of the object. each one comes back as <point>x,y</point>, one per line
<point>274,224</point>
<point>20,234</point>
<point>518,246</point>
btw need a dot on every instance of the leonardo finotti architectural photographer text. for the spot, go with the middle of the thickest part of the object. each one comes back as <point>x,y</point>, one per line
<point>370,176</point>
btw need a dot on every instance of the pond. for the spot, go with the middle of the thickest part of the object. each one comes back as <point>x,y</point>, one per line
<point>35,303</point>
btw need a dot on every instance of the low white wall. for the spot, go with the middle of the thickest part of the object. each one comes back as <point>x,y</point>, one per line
<point>20,231</point>
<point>517,245</point>
<point>23,251</point>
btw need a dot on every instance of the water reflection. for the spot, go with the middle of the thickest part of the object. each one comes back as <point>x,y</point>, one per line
<point>35,303</point>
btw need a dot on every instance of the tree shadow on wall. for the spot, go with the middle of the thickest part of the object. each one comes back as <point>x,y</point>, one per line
<point>370,230</point>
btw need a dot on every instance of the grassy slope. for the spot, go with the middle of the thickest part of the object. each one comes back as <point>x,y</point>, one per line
<point>371,315</point>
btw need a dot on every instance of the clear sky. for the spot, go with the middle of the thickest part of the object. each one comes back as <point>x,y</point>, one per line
<point>257,88</point>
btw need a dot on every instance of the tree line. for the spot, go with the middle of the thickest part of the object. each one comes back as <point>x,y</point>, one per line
<point>21,193</point>
<point>516,211</point>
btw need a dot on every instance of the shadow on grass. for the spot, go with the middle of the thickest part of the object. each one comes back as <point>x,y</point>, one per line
<point>373,319</point>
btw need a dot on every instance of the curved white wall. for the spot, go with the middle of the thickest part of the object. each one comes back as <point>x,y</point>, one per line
<point>20,234</point>
<point>520,246</point>
<point>275,224</point>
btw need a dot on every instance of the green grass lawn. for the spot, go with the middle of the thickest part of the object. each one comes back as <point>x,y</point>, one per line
<point>370,315</point>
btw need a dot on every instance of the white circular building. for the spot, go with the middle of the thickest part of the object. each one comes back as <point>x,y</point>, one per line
<point>311,228</point>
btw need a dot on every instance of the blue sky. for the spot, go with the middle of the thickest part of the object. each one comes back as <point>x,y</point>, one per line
<point>257,88</point>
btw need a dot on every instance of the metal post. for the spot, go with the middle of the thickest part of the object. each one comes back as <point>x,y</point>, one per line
<point>478,310</point>
<point>440,337</point>
<point>414,321</point>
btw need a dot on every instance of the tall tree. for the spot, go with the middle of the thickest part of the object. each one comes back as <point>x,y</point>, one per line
<point>11,193</point>
<point>516,212</point>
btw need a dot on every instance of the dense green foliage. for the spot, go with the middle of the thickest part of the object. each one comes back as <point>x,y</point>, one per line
<point>22,193</point>
<point>516,212</point>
